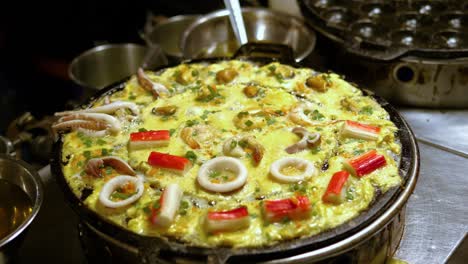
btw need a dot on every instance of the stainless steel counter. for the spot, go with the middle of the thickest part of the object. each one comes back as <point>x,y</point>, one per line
<point>437,212</point>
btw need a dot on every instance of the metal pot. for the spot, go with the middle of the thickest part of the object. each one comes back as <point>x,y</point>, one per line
<point>22,175</point>
<point>212,35</point>
<point>362,240</point>
<point>103,65</point>
<point>167,34</point>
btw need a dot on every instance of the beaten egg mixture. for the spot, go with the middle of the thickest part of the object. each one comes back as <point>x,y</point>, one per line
<point>220,101</point>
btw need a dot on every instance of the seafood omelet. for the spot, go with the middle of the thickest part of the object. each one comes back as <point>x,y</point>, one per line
<point>231,153</point>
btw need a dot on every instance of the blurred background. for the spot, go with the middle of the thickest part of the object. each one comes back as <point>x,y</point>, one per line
<point>38,41</point>
<point>37,44</point>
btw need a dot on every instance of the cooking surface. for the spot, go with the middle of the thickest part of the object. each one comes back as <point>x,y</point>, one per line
<point>437,216</point>
<point>386,30</point>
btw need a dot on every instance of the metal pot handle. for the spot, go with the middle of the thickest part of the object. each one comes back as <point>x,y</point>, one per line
<point>154,57</point>
<point>8,146</point>
<point>281,52</point>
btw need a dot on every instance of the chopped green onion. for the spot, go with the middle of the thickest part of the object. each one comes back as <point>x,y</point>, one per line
<point>184,205</point>
<point>214,174</point>
<point>205,114</point>
<point>315,150</point>
<point>191,156</point>
<point>87,154</point>
<point>121,196</point>
<point>358,152</point>
<point>171,131</point>
<point>104,152</point>
<point>316,115</point>
<point>242,143</point>
<point>88,142</point>
<point>190,123</point>
<point>147,210</point>
<point>367,110</point>
<point>270,121</point>
<point>233,144</point>
<point>242,114</point>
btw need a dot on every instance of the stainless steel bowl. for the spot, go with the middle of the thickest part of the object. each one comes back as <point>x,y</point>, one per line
<point>103,65</point>
<point>167,34</point>
<point>22,175</point>
<point>212,35</point>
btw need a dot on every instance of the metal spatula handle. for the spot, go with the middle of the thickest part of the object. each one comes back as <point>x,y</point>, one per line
<point>237,22</point>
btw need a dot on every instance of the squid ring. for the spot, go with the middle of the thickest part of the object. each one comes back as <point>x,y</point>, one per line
<point>116,182</point>
<point>220,164</point>
<point>307,168</point>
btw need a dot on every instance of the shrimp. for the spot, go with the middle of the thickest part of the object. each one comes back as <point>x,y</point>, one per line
<point>146,83</point>
<point>92,124</point>
<point>197,135</point>
<point>93,167</point>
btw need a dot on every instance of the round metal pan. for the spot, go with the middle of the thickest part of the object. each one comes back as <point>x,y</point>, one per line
<point>329,243</point>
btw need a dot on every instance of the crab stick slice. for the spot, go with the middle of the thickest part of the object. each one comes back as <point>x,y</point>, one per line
<point>231,220</point>
<point>125,188</point>
<point>167,161</point>
<point>291,169</point>
<point>359,130</point>
<point>297,207</point>
<point>365,164</point>
<point>149,139</point>
<point>222,174</point>
<point>169,204</point>
<point>336,190</point>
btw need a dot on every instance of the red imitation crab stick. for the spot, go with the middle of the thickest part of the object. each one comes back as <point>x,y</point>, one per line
<point>149,139</point>
<point>169,204</point>
<point>228,220</point>
<point>292,208</point>
<point>365,164</point>
<point>359,130</point>
<point>167,161</point>
<point>336,190</point>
